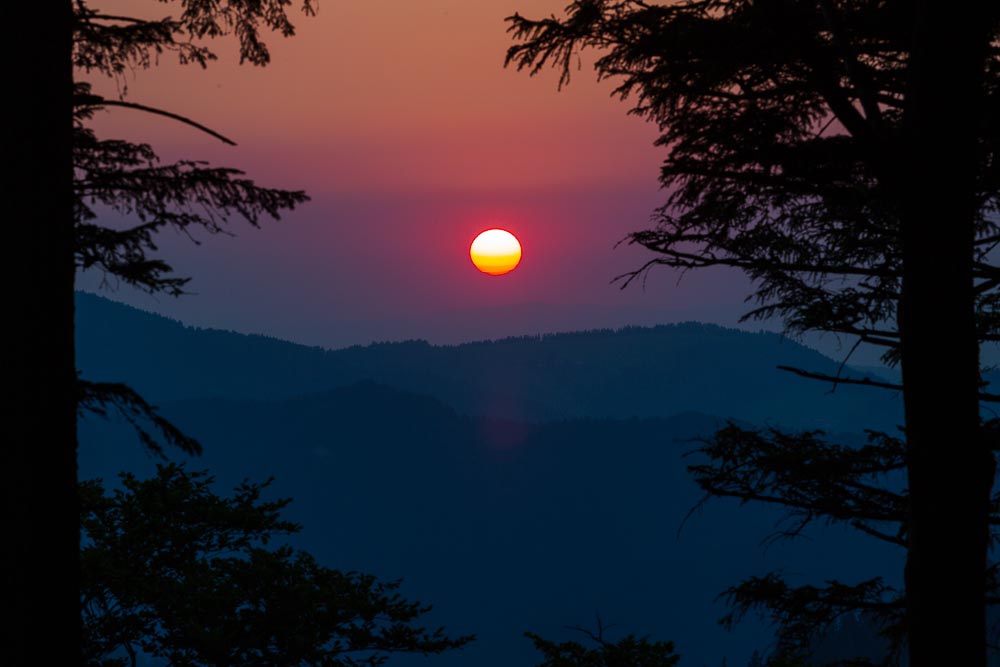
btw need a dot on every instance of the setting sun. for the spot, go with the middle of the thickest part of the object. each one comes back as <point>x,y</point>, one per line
<point>495,252</point>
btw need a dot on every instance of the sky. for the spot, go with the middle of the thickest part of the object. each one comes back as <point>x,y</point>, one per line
<point>401,123</point>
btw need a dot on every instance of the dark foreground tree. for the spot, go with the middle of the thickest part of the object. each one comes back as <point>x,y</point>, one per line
<point>629,651</point>
<point>844,155</point>
<point>55,229</point>
<point>39,426</point>
<point>815,481</point>
<point>175,572</point>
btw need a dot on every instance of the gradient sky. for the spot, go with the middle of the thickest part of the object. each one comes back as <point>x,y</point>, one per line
<point>400,121</point>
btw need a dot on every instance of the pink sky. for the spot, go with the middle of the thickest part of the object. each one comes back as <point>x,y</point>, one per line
<point>400,121</point>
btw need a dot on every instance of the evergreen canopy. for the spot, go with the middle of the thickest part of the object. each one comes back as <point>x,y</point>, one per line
<point>783,124</point>
<point>129,179</point>
<point>172,570</point>
<point>800,136</point>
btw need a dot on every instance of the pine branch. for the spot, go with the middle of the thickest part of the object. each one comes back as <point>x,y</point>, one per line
<point>99,397</point>
<point>94,101</point>
<point>866,382</point>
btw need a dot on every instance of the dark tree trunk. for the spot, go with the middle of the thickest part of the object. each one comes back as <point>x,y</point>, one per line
<point>950,467</point>
<point>41,520</point>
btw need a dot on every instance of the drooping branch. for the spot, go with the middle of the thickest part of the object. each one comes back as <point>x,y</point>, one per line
<point>808,477</point>
<point>865,381</point>
<point>802,614</point>
<point>868,382</point>
<point>689,260</point>
<point>102,397</point>
<point>123,254</point>
<point>95,101</point>
<point>128,179</point>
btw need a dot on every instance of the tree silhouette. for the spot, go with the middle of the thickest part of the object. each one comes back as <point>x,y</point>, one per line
<point>173,571</point>
<point>65,179</point>
<point>41,533</point>
<point>806,142</point>
<point>628,651</point>
<point>816,481</point>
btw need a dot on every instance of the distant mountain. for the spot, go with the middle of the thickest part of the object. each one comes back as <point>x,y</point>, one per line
<point>652,372</point>
<point>503,525</point>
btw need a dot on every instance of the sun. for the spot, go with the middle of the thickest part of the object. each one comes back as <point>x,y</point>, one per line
<point>495,252</point>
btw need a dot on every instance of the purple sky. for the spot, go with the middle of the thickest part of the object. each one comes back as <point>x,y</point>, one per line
<point>402,124</point>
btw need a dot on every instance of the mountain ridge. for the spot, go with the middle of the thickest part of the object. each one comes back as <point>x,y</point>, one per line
<point>619,373</point>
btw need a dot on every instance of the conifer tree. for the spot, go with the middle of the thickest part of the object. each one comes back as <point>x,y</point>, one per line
<point>629,651</point>
<point>172,571</point>
<point>844,155</point>
<point>64,180</point>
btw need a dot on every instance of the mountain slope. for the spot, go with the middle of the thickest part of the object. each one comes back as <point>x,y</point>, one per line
<point>633,372</point>
<point>504,526</point>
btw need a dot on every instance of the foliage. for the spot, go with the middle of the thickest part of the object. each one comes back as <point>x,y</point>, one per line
<point>129,178</point>
<point>170,569</point>
<point>173,571</point>
<point>100,397</point>
<point>113,177</point>
<point>786,125</point>
<point>115,45</point>
<point>781,143</point>
<point>816,481</point>
<point>810,478</point>
<point>629,651</point>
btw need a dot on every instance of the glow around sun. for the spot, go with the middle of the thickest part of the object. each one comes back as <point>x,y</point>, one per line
<point>495,252</point>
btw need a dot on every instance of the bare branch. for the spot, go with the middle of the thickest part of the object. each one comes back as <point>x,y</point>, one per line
<point>97,102</point>
<point>866,382</point>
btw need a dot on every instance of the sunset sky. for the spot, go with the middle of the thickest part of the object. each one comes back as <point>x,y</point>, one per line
<point>401,123</point>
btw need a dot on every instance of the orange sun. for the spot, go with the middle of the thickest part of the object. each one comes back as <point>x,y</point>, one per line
<point>496,252</point>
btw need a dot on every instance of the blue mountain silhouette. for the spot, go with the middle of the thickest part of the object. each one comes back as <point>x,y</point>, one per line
<point>505,524</point>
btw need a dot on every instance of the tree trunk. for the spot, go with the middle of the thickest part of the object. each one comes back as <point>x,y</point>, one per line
<point>41,519</point>
<point>950,467</point>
